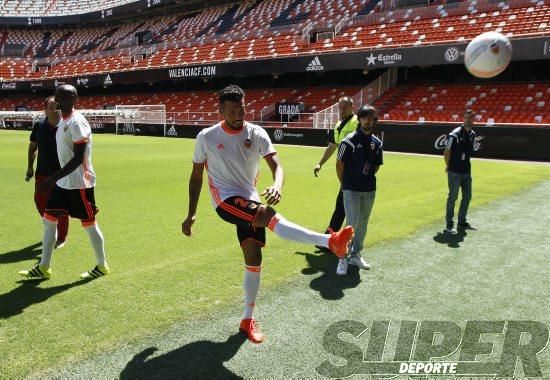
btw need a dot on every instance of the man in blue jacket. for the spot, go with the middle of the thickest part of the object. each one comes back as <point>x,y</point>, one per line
<point>358,161</point>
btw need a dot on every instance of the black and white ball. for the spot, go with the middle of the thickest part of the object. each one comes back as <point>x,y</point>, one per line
<point>488,55</point>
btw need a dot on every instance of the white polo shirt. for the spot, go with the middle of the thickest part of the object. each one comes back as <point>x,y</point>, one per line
<point>232,159</point>
<point>75,129</point>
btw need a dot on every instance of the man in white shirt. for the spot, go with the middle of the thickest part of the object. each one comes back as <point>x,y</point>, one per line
<point>230,153</point>
<point>73,187</point>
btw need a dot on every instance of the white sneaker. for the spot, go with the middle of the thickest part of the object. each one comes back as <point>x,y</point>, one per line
<point>342,268</point>
<point>358,261</point>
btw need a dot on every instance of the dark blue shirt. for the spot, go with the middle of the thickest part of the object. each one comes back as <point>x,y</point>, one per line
<point>461,144</point>
<point>43,134</point>
<point>360,153</point>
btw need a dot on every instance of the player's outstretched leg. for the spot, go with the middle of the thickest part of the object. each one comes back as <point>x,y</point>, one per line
<point>43,271</point>
<point>337,242</point>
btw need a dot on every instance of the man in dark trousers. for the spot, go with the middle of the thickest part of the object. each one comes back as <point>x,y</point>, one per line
<point>43,140</point>
<point>347,124</point>
<point>460,146</point>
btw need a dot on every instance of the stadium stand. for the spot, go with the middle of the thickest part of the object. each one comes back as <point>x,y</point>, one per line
<point>254,29</point>
<point>493,103</point>
<point>199,104</point>
<point>266,29</point>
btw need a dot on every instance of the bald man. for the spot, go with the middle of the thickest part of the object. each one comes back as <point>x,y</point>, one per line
<point>73,187</point>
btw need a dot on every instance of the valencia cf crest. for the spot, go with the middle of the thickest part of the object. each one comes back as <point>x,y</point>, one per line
<point>65,129</point>
<point>247,143</point>
<point>372,146</point>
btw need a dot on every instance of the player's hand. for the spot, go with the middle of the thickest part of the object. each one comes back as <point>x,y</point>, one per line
<point>316,170</point>
<point>446,169</point>
<point>186,225</point>
<point>272,195</point>
<point>29,174</point>
<point>46,185</point>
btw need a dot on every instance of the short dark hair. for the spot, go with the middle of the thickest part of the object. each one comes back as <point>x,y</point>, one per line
<point>231,93</point>
<point>469,110</point>
<point>366,110</point>
<point>47,100</point>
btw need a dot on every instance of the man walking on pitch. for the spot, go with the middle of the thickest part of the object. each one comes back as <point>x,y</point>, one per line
<point>43,140</point>
<point>230,153</point>
<point>73,193</point>
<point>358,161</point>
<point>347,124</point>
<point>460,146</point>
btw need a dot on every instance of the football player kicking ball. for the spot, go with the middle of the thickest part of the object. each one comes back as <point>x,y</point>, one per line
<point>230,152</point>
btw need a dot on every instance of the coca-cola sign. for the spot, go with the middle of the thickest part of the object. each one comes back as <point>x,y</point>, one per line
<point>9,86</point>
<point>441,142</point>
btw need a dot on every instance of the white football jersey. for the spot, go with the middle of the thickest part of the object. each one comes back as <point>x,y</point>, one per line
<point>75,129</point>
<point>232,158</point>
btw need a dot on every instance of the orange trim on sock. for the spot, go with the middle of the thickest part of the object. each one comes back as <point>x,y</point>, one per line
<point>252,268</point>
<point>88,223</point>
<point>50,218</point>
<point>273,222</point>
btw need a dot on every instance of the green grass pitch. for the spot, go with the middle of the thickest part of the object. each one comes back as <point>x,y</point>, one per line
<point>162,282</point>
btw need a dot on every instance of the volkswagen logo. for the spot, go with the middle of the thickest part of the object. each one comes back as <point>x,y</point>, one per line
<point>278,134</point>
<point>451,54</point>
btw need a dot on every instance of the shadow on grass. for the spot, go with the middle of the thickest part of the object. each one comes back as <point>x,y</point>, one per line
<point>329,285</point>
<point>28,293</point>
<point>23,254</point>
<point>452,240</point>
<point>197,360</point>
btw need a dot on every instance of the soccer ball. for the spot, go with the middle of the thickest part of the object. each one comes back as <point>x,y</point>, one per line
<point>488,55</point>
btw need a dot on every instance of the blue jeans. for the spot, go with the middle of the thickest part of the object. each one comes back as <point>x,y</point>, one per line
<point>358,206</point>
<point>458,181</point>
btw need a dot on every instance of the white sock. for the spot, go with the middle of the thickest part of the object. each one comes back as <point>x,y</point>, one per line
<point>48,241</point>
<point>251,287</point>
<point>96,238</point>
<point>291,231</point>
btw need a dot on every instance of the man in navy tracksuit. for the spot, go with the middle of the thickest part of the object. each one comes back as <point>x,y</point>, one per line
<point>359,158</point>
<point>460,146</point>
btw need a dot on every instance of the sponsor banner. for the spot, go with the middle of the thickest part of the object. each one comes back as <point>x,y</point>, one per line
<point>192,72</point>
<point>9,86</point>
<point>524,49</point>
<point>495,142</point>
<point>287,112</point>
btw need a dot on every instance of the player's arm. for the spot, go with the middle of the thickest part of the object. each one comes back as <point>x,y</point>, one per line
<point>379,160</point>
<point>31,156</point>
<point>340,170</point>
<point>329,151</point>
<point>447,151</point>
<point>75,162</point>
<point>447,157</point>
<point>273,193</point>
<point>195,186</point>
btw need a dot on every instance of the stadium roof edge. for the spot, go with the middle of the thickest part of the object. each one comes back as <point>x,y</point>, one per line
<point>130,11</point>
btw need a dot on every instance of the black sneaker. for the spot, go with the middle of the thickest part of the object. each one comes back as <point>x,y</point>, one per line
<point>450,228</point>
<point>465,226</point>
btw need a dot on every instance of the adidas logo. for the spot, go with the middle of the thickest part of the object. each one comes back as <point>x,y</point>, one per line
<point>108,80</point>
<point>172,131</point>
<point>220,146</point>
<point>315,65</point>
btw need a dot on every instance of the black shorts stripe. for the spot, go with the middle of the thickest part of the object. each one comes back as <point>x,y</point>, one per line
<point>78,203</point>
<point>240,208</point>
